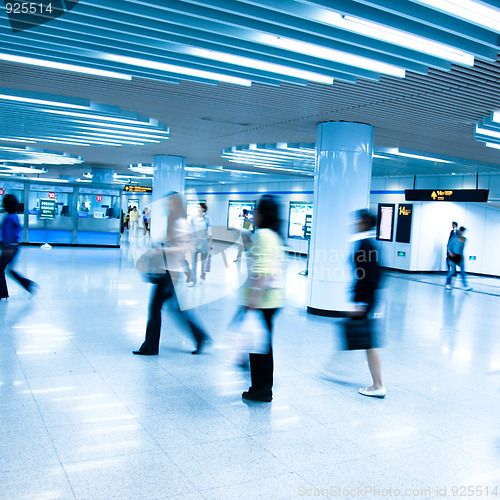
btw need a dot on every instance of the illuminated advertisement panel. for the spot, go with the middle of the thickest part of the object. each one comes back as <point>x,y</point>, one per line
<point>235,217</point>
<point>297,218</point>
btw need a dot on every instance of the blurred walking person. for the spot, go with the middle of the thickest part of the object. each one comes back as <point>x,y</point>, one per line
<point>172,252</point>
<point>11,231</point>
<point>264,291</point>
<point>202,235</point>
<point>453,232</point>
<point>246,235</point>
<point>455,251</point>
<point>366,283</point>
<point>146,221</point>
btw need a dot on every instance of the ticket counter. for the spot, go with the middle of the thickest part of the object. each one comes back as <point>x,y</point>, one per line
<point>66,213</point>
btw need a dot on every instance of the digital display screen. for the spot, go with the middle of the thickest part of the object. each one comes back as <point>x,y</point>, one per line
<point>235,214</point>
<point>403,231</point>
<point>297,218</point>
<point>385,223</point>
<point>47,209</point>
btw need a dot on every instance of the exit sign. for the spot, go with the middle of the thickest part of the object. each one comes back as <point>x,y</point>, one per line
<point>401,254</point>
<point>472,257</point>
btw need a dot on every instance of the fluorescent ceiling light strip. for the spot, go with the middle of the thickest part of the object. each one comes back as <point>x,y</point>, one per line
<point>25,170</point>
<point>97,117</point>
<point>419,157</point>
<point>141,170</point>
<point>269,154</point>
<point>408,40</point>
<point>275,167</point>
<point>16,139</point>
<point>248,62</point>
<point>75,141</point>
<point>496,117</point>
<point>41,101</point>
<point>59,141</point>
<point>269,159</point>
<point>152,130</point>
<point>276,152</point>
<point>172,68</point>
<point>492,145</point>
<point>468,10</point>
<point>63,66</point>
<point>330,54</point>
<point>118,133</point>
<point>401,38</point>
<point>485,131</point>
<point>107,139</point>
<point>241,171</point>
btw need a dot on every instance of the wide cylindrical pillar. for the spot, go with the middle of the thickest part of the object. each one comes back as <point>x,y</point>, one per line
<point>103,175</point>
<point>168,176</point>
<point>342,186</point>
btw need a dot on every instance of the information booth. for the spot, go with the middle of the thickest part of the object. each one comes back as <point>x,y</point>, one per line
<point>66,213</point>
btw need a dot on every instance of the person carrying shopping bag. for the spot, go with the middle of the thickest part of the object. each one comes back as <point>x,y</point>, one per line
<point>264,292</point>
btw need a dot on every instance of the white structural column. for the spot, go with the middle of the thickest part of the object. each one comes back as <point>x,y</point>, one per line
<point>169,175</point>
<point>103,175</point>
<point>342,186</point>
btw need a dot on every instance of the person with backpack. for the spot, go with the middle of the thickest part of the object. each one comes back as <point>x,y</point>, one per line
<point>455,251</point>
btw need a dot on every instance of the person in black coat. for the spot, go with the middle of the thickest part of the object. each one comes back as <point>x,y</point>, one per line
<point>366,283</point>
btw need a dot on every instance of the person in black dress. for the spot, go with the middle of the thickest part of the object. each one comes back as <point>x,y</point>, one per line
<point>366,283</point>
<point>171,252</point>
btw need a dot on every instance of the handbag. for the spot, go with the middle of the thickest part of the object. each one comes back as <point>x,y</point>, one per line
<point>208,264</point>
<point>358,334</point>
<point>249,332</point>
<point>455,258</point>
<point>157,274</point>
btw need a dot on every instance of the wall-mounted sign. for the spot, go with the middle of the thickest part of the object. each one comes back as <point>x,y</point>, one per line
<point>2,191</point>
<point>403,231</point>
<point>47,188</point>
<point>297,218</point>
<point>308,226</point>
<point>385,222</point>
<point>98,197</point>
<point>51,195</point>
<point>47,209</point>
<point>401,254</point>
<point>477,195</point>
<point>472,257</point>
<point>138,189</point>
<point>105,192</point>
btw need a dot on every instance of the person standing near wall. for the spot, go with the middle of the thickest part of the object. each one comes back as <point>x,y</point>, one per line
<point>455,251</point>
<point>134,220</point>
<point>146,219</point>
<point>453,232</point>
<point>11,230</point>
<point>202,235</point>
<point>246,238</point>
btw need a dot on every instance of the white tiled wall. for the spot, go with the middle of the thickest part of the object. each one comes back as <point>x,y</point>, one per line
<point>431,222</point>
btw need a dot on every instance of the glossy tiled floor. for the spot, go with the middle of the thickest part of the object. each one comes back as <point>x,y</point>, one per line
<point>81,417</point>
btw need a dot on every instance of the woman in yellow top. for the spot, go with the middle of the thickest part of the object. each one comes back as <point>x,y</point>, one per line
<point>264,290</point>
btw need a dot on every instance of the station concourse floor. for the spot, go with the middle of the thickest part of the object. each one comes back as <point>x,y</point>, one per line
<point>82,417</point>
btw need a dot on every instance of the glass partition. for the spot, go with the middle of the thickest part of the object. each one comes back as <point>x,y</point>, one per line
<point>49,214</point>
<point>15,188</point>
<point>98,214</point>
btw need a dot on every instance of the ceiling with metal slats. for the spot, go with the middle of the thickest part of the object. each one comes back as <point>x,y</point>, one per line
<point>222,73</point>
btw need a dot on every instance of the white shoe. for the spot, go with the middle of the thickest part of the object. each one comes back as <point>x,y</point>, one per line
<point>468,288</point>
<point>374,393</point>
<point>448,287</point>
<point>191,283</point>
